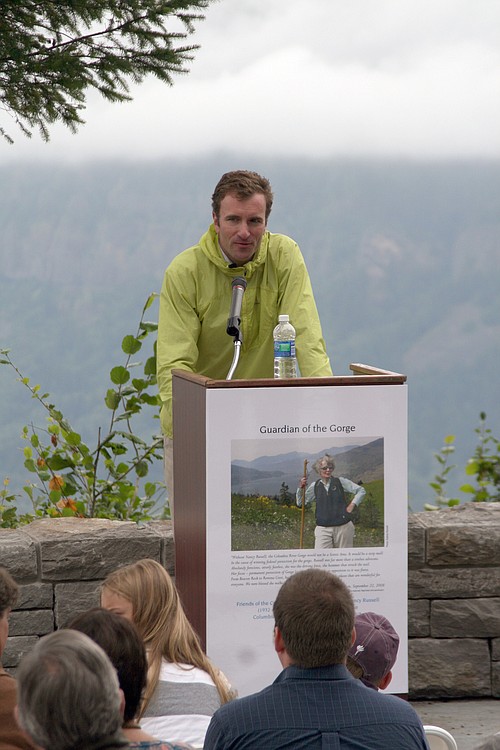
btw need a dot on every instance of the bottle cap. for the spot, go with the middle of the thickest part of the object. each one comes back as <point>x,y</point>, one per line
<point>283,318</point>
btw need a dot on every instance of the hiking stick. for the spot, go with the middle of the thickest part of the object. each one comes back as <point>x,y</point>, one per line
<point>303,514</point>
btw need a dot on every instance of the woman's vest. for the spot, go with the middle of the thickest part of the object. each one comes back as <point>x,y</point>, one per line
<point>331,504</point>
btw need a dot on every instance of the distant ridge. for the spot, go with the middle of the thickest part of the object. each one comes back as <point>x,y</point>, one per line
<point>359,463</point>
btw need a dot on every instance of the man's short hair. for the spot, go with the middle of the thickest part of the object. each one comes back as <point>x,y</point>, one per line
<point>68,692</point>
<point>243,185</point>
<point>314,613</point>
<point>121,641</point>
<point>375,649</point>
<point>8,591</point>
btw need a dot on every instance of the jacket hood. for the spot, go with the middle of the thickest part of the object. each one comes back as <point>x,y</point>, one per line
<point>209,245</point>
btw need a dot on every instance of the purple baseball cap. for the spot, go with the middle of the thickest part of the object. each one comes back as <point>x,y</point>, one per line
<point>376,646</point>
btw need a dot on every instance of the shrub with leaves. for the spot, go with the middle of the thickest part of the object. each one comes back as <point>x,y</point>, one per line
<point>484,466</point>
<point>105,481</point>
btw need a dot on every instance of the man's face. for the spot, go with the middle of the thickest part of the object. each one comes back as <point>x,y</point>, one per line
<point>240,226</point>
<point>4,628</point>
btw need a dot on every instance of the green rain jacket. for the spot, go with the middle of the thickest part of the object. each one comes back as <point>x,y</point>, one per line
<point>194,307</point>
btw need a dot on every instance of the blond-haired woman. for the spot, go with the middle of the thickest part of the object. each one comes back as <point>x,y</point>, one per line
<point>184,688</point>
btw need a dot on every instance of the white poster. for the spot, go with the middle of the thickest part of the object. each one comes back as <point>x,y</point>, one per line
<point>260,442</point>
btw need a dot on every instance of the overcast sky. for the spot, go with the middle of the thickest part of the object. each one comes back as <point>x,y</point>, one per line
<point>411,78</point>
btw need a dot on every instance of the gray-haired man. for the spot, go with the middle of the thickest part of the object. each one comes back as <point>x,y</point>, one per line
<point>68,694</point>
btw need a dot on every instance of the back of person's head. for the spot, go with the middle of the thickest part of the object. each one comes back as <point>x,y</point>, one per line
<point>374,651</point>
<point>120,640</point>
<point>8,591</point>
<point>68,693</point>
<point>314,612</point>
<point>243,184</point>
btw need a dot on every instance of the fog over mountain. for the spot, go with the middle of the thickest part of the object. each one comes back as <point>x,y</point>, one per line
<point>403,258</point>
<point>266,474</point>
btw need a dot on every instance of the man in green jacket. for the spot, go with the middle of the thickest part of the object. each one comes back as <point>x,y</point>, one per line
<point>196,298</point>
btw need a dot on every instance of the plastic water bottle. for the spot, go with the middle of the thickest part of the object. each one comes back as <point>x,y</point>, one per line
<point>285,362</point>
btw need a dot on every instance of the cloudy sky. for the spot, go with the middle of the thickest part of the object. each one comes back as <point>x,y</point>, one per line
<point>411,78</point>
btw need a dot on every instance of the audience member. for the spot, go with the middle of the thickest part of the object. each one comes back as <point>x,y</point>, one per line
<point>120,640</point>
<point>184,688</point>
<point>315,702</point>
<point>11,736</point>
<point>374,650</point>
<point>69,695</point>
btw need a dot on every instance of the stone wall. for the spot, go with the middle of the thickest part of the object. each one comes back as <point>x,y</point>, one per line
<point>453,587</point>
<point>60,563</point>
<point>454,602</point>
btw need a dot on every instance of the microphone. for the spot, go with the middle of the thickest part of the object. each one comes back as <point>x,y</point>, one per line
<point>239,285</point>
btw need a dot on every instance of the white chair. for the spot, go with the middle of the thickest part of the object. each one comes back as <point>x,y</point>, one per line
<point>439,739</point>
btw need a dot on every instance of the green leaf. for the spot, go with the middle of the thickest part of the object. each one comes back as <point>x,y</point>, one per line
<point>149,327</point>
<point>35,442</point>
<point>150,366</point>
<point>30,465</point>
<point>148,304</point>
<point>471,467</point>
<point>449,439</point>
<point>57,462</point>
<point>150,488</point>
<point>141,468</point>
<point>151,400</point>
<point>73,438</point>
<point>112,399</point>
<point>467,488</point>
<point>119,375</point>
<point>131,345</point>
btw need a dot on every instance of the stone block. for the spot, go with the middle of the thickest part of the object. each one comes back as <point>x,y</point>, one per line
<point>416,541</point>
<point>465,618</point>
<point>448,668</point>
<point>419,625</point>
<point>435,583</point>
<point>495,649</point>
<point>15,649</point>
<point>90,548</point>
<point>463,536</point>
<point>165,531</point>
<point>35,596</point>
<point>31,622</point>
<point>495,679</point>
<point>18,554</point>
<point>73,598</point>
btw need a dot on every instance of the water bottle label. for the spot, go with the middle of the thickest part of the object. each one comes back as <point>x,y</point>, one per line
<point>284,348</point>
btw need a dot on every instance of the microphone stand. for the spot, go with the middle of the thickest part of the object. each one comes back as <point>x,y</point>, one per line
<point>236,354</point>
<point>233,324</point>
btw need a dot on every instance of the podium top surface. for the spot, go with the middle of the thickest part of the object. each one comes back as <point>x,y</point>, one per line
<point>362,375</point>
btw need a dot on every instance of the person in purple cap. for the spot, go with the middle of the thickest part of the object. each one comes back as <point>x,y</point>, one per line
<point>374,650</point>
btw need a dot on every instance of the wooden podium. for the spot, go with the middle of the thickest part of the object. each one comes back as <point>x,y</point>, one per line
<point>214,420</point>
